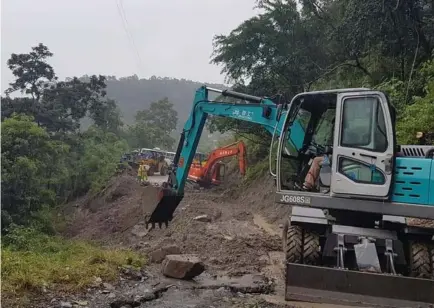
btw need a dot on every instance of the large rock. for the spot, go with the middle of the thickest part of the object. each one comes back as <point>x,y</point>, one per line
<point>157,256</point>
<point>139,230</point>
<point>182,266</point>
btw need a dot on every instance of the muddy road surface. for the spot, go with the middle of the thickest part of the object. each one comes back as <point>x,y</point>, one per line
<point>158,179</point>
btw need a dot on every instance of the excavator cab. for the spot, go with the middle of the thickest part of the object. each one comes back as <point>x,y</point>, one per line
<point>349,240</point>
<point>363,142</point>
<point>314,138</point>
<point>219,173</point>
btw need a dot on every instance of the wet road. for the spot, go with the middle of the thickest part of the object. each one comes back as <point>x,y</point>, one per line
<point>159,179</point>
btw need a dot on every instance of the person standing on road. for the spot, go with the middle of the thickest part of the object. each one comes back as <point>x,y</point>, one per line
<point>142,174</point>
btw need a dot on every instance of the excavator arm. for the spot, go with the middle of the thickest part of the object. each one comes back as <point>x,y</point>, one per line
<point>253,109</point>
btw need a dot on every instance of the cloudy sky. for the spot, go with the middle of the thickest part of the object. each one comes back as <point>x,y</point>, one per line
<point>173,38</point>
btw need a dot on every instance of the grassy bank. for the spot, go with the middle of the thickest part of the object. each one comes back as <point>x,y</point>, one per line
<point>33,262</point>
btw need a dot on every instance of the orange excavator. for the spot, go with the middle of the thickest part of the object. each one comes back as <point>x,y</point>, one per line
<point>212,172</point>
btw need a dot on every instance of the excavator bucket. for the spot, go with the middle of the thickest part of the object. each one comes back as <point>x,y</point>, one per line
<point>354,288</point>
<point>158,205</point>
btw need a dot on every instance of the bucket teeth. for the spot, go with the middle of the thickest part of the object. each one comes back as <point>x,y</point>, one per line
<point>160,224</point>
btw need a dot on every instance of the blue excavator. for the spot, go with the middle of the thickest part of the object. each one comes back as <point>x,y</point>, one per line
<point>362,235</point>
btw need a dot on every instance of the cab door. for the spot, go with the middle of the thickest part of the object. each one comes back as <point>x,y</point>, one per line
<point>364,143</point>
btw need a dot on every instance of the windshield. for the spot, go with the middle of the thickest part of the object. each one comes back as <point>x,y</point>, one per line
<point>323,134</point>
<point>294,135</point>
<point>199,156</point>
<point>146,154</point>
<point>293,138</point>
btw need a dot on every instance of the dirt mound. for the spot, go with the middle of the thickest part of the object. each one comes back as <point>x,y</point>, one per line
<point>113,211</point>
<point>230,244</point>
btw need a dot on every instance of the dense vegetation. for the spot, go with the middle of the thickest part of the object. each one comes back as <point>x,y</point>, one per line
<point>324,44</point>
<point>48,159</point>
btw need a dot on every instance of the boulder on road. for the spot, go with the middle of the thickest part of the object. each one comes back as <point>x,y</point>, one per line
<point>157,256</point>
<point>182,266</point>
<point>139,230</point>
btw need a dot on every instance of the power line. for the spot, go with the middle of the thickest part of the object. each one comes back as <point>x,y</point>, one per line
<point>130,37</point>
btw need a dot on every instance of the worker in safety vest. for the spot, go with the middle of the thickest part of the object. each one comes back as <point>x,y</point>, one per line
<point>142,174</point>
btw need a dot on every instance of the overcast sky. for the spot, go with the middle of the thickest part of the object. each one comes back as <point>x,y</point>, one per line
<point>173,37</point>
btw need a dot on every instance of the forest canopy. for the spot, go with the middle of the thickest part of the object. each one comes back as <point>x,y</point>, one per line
<point>290,48</point>
<point>48,157</point>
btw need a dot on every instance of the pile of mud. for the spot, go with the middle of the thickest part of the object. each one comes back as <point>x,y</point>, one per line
<point>108,214</point>
<point>229,241</point>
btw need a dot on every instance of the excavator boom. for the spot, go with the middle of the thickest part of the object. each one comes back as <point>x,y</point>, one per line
<point>253,109</point>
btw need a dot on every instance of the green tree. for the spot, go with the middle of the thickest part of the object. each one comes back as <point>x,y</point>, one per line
<point>107,116</point>
<point>329,44</point>
<point>31,70</point>
<point>418,116</point>
<point>59,106</point>
<point>154,126</point>
<point>67,102</point>
<point>29,167</point>
<point>285,50</point>
<point>98,160</point>
<point>46,159</point>
<point>160,115</point>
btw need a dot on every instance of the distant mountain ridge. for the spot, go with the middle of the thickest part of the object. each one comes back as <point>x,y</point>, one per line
<point>133,94</point>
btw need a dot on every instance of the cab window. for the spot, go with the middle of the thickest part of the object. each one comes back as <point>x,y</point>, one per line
<point>147,154</point>
<point>363,124</point>
<point>295,134</point>
<point>323,134</point>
